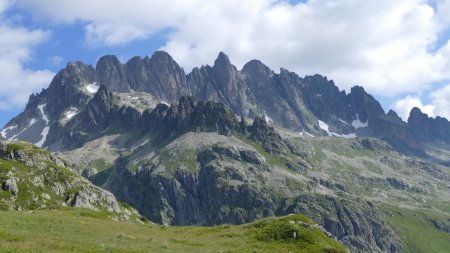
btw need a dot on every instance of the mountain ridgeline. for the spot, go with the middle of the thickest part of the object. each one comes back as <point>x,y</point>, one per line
<point>312,105</point>
<point>222,145</point>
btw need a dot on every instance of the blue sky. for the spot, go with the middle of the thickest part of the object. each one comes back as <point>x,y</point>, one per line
<point>397,50</point>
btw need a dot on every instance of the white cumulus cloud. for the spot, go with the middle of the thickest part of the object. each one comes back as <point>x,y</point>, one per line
<point>403,107</point>
<point>16,81</point>
<point>441,102</point>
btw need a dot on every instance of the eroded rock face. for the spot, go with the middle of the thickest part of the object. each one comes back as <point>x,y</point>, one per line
<point>226,185</point>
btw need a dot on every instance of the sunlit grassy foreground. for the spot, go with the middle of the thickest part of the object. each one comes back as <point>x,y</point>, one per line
<point>79,230</point>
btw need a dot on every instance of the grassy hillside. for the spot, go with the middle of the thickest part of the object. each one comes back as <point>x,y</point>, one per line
<point>82,230</point>
<point>32,178</point>
<point>417,231</point>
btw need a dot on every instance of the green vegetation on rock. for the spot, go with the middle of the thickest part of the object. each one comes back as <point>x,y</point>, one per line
<point>32,178</point>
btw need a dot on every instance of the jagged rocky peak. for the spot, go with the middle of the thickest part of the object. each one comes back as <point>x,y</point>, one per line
<point>159,75</point>
<point>98,109</point>
<point>222,60</point>
<point>72,86</point>
<point>256,67</point>
<point>69,83</point>
<point>326,101</point>
<point>257,74</point>
<point>428,128</point>
<point>163,58</point>
<point>133,62</point>
<point>103,96</point>
<point>224,70</point>
<point>75,73</point>
<point>322,85</point>
<point>111,73</point>
<point>364,104</point>
<point>67,91</point>
<point>416,116</point>
<point>393,115</point>
<point>170,76</point>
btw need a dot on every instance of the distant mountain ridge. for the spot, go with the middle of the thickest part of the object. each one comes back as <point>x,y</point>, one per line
<point>313,105</point>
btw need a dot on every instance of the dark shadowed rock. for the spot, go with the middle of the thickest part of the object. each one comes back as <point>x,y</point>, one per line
<point>111,73</point>
<point>429,129</point>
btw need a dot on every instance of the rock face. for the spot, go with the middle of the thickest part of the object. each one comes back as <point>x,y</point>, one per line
<point>37,179</point>
<point>191,115</point>
<point>209,194</point>
<point>103,115</point>
<point>312,104</point>
<point>429,129</point>
<point>111,73</point>
<point>159,75</point>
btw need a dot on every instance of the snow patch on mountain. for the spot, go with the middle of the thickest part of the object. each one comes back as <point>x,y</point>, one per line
<point>46,128</point>
<point>325,127</point>
<point>4,131</point>
<point>341,120</point>
<point>268,119</point>
<point>347,136</point>
<point>164,102</point>
<point>32,121</point>
<point>71,113</point>
<point>306,134</point>
<point>358,124</point>
<point>92,87</point>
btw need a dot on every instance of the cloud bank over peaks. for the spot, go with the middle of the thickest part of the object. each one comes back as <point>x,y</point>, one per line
<point>439,104</point>
<point>404,106</point>
<point>16,81</point>
<point>392,48</point>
